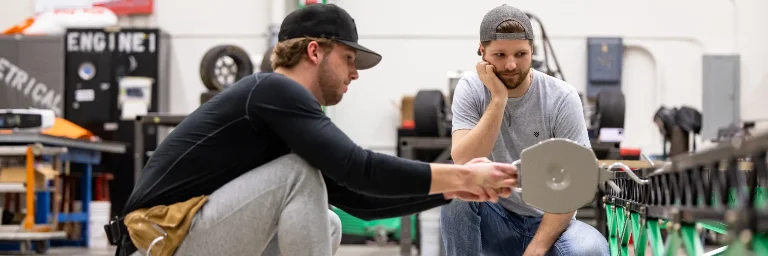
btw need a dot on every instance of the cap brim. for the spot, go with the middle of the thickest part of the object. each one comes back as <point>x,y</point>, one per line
<point>366,58</point>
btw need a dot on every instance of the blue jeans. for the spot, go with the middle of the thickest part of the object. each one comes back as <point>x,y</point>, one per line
<point>469,228</point>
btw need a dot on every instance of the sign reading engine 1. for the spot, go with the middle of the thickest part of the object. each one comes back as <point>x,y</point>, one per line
<point>133,41</point>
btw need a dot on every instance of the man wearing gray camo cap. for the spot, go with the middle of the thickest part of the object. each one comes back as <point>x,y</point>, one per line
<point>503,108</point>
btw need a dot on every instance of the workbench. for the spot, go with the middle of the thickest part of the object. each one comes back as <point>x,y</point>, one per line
<point>85,153</point>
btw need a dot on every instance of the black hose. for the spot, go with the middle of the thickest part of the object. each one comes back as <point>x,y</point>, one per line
<point>547,43</point>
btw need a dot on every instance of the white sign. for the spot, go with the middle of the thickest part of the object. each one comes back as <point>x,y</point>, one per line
<point>85,95</point>
<point>615,135</point>
<point>42,96</point>
<point>101,41</point>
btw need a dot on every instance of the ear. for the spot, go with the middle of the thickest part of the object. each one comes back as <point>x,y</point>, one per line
<point>533,47</point>
<point>314,53</point>
<point>481,49</point>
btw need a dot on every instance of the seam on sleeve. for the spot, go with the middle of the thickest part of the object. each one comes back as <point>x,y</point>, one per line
<point>248,101</point>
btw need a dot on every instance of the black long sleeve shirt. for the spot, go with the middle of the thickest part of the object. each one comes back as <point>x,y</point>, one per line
<point>265,116</point>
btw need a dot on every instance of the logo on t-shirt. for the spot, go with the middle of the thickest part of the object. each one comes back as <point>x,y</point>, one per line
<point>536,134</point>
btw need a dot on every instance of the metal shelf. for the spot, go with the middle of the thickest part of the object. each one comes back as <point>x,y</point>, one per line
<point>408,146</point>
<point>55,149</point>
<point>155,119</point>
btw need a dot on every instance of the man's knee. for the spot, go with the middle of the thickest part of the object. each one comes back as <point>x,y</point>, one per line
<point>294,162</point>
<point>583,239</point>
<point>294,166</point>
<point>588,247</point>
<point>458,207</point>
<point>457,211</point>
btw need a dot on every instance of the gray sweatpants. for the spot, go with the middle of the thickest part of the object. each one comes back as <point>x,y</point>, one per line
<point>280,208</point>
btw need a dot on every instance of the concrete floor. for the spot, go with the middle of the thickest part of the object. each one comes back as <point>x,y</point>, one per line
<point>344,250</point>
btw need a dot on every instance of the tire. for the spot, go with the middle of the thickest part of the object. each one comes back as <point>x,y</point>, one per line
<point>206,96</point>
<point>429,114</point>
<point>610,108</point>
<point>213,62</point>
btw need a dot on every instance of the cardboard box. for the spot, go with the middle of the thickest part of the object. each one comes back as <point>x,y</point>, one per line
<point>406,108</point>
<point>18,174</point>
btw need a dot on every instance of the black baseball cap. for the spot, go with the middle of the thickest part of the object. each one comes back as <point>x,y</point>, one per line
<point>331,22</point>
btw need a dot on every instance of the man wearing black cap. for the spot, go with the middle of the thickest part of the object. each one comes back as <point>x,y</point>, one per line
<point>243,167</point>
<point>503,108</point>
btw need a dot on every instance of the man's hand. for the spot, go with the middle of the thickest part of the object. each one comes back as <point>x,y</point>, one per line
<point>491,193</point>
<point>535,251</point>
<point>484,194</point>
<point>550,229</point>
<point>481,194</point>
<point>483,197</point>
<point>487,73</point>
<point>486,181</point>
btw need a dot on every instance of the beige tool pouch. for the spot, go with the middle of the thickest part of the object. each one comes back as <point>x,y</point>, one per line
<point>159,230</point>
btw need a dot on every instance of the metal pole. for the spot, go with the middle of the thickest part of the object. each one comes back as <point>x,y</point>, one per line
<point>405,221</point>
<point>138,146</point>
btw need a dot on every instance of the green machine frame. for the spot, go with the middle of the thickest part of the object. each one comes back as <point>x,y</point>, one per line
<point>721,189</point>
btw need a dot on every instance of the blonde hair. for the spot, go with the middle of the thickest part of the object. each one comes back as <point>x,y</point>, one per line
<point>289,53</point>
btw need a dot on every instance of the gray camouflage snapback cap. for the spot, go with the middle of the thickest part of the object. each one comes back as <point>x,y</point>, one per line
<point>500,14</point>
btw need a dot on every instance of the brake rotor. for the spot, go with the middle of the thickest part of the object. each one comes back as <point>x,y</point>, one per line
<point>559,175</point>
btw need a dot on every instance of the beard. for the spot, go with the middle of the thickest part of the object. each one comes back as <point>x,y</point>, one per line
<point>514,81</point>
<point>330,86</point>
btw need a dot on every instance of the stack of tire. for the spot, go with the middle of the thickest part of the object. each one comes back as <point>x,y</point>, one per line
<point>610,108</point>
<point>430,113</point>
<point>221,67</point>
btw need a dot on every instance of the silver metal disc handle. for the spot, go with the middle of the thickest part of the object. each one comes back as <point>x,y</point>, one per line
<point>629,172</point>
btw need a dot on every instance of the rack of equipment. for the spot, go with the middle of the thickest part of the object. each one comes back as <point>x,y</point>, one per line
<point>33,232</point>
<point>721,189</point>
<point>141,122</point>
<point>664,204</point>
<point>30,160</point>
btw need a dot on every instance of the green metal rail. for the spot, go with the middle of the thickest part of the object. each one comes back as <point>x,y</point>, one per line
<point>722,189</point>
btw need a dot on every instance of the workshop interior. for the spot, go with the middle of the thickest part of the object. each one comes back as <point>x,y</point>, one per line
<point>674,108</point>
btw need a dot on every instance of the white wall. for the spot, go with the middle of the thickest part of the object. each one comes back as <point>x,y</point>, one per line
<point>422,40</point>
<point>752,42</point>
<point>201,25</point>
<point>14,12</point>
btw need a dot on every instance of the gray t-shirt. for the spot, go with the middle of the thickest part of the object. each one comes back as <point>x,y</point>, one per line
<point>550,109</point>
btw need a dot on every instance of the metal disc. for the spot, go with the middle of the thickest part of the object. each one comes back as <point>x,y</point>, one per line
<point>559,175</point>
